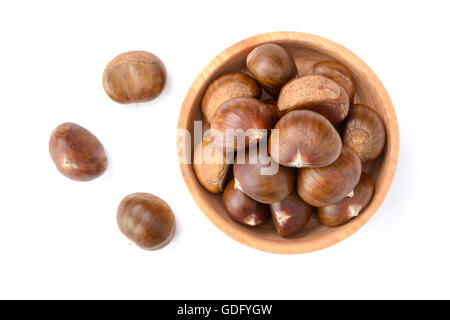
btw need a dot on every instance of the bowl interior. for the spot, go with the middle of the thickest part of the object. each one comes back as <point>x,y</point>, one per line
<point>306,50</point>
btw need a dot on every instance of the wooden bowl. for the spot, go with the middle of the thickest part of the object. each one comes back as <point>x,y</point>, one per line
<point>306,50</point>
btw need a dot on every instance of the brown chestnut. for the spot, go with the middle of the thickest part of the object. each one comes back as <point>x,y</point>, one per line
<point>341,212</point>
<point>365,132</point>
<point>272,66</point>
<point>315,93</point>
<point>328,185</point>
<point>146,220</point>
<point>134,76</point>
<point>305,139</point>
<point>246,119</point>
<point>77,153</point>
<point>261,179</point>
<point>226,87</point>
<point>244,209</point>
<point>290,215</point>
<point>210,166</point>
<point>338,73</point>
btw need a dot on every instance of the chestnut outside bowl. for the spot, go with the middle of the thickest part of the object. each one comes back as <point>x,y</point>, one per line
<point>306,50</point>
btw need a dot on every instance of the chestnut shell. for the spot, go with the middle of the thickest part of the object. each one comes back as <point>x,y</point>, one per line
<point>134,76</point>
<point>226,87</point>
<point>146,220</point>
<point>241,114</point>
<point>244,209</point>
<point>262,188</point>
<point>328,185</point>
<point>341,212</point>
<point>338,73</point>
<point>77,153</point>
<point>290,215</point>
<point>365,132</point>
<point>305,139</point>
<point>316,93</point>
<point>272,66</point>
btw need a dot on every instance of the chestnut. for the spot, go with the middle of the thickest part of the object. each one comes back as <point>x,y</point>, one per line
<point>290,215</point>
<point>341,212</point>
<point>305,139</point>
<point>146,220</point>
<point>134,76</point>
<point>246,119</point>
<point>77,153</point>
<point>338,73</point>
<point>272,66</point>
<point>244,209</point>
<point>210,166</point>
<point>226,87</point>
<point>315,93</point>
<point>266,187</point>
<point>365,132</point>
<point>328,185</point>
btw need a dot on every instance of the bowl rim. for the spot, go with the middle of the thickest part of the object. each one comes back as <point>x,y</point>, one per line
<point>338,234</point>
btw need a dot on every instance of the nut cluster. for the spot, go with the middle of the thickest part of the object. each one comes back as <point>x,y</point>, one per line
<point>319,168</point>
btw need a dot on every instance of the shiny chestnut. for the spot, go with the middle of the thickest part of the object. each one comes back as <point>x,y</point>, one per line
<point>261,178</point>
<point>365,132</point>
<point>352,205</point>
<point>304,138</point>
<point>146,220</point>
<point>338,73</point>
<point>244,209</point>
<point>315,93</point>
<point>272,66</point>
<point>290,215</point>
<point>328,185</point>
<point>77,153</point>
<point>134,76</point>
<point>226,87</point>
<point>240,123</point>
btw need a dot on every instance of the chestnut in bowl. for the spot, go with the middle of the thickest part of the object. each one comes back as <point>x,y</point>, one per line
<point>304,139</point>
<point>328,185</point>
<point>226,87</point>
<point>244,209</point>
<point>306,50</point>
<point>364,132</point>
<point>350,207</point>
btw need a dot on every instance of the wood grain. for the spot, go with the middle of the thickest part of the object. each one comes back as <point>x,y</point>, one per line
<point>306,50</point>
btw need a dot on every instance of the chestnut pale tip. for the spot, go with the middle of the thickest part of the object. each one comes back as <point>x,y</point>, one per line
<point>353,210</point>
<point>237,185</point>
<point>282,217</point>
<point>297,162</point>
<point>351,194</point>
<point>67,163</point>
<point>250,220</point>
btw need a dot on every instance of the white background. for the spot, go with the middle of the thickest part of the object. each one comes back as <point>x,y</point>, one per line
<point>59,238</point>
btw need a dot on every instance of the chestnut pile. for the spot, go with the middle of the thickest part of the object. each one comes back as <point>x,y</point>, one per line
<point>322,140</point>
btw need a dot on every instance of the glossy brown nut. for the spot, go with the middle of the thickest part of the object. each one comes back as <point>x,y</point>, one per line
<point>226,87</point>
<point>210,166</point>
<point>365,132</point>
<point>341,212</point>
<point>77,153</point>
<point>272,66</point>
<point>305,139</point>
<point>146,220</point>
<point>134,76</point>
<point>272,104</point>
<point>264,188</point>
<point>290,215</point>
<point>328,185</point>
<point>244,209</point>
<point>249,118</point>
<point>315,93</point>
<point>338,73</point>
